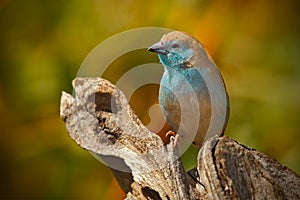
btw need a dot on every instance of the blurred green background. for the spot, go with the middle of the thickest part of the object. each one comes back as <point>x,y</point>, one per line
<point>256,45</point>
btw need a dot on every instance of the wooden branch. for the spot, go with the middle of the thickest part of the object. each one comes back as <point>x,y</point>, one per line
<point>100,120</point>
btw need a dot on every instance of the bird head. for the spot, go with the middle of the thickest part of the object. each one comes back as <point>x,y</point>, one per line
<point>176,49</point>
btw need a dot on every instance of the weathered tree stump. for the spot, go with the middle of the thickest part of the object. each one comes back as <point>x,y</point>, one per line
<point>100,120</point>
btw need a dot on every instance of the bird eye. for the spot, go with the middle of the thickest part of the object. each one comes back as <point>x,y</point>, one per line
<point>175,45</point>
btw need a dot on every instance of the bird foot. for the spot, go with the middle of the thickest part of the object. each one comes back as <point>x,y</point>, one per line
<point>172,136</point>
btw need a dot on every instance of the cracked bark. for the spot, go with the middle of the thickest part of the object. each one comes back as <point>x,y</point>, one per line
<point>100,120</point>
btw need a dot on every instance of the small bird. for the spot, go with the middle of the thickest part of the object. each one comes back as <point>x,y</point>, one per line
<point>192,94</point>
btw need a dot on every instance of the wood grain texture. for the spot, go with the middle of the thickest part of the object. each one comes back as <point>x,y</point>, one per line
<point>99,119</point>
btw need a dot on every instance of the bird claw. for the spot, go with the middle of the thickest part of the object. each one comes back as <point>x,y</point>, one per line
<point>175,139</point>
<point>171,136</point>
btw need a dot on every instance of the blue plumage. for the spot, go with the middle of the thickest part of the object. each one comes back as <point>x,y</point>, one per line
<point>192,93</point>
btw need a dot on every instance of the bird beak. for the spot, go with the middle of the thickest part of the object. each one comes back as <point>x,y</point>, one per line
<point>158,48</point>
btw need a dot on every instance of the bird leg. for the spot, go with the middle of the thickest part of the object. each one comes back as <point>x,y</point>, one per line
<point>171,135</point>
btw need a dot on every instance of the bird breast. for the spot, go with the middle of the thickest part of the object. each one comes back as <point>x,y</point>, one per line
<point>184,101</point>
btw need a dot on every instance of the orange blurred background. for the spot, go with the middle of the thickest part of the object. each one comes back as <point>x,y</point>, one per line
<point>256,45</point>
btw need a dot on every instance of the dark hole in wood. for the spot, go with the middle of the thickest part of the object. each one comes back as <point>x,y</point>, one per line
<point>149,193</point>
<point>104,102</point>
